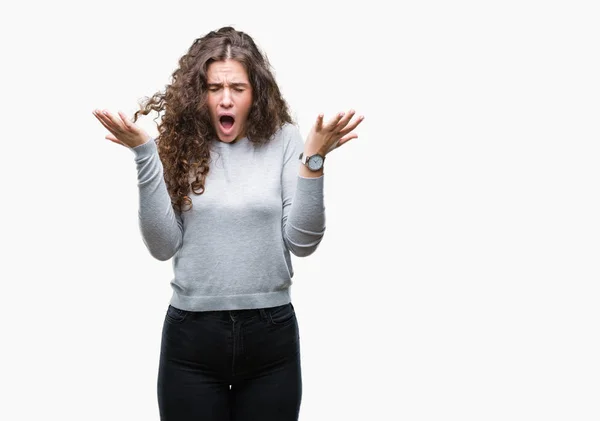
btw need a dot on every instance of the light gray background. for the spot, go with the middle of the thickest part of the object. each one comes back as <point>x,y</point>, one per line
<point>458,278</point>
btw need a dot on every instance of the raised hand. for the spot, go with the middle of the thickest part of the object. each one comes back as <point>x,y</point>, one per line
<point>123,131</point>
<point>323,138</point>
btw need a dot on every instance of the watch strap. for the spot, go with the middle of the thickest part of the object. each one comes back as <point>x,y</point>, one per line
<point>303,159</point>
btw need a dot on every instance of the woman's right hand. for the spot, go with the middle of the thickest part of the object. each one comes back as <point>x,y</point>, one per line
<point>123,131</point>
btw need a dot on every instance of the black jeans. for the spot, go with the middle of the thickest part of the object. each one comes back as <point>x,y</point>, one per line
<point>238,365</point>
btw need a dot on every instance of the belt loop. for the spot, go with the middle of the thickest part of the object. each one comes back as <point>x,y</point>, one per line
<point>263,313</point>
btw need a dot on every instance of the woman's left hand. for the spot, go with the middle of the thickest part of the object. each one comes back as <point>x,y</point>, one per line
<point>322,139</point>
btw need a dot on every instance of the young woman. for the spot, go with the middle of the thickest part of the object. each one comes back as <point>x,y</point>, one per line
<point>229,189</point>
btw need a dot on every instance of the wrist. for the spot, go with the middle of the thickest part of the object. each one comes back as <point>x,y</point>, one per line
<point>307,173</point>
<point>311,163</point>
<point>310,150</point>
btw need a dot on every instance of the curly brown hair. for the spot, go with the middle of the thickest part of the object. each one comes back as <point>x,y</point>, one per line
<point>186,131</point>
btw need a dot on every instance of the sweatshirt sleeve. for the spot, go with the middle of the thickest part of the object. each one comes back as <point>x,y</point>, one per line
<point>160,225</point>
<point>303,219</point>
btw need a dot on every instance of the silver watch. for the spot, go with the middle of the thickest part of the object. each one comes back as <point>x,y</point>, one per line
<point>313,162</point>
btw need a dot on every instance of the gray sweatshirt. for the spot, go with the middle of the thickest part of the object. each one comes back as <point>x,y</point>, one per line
<point>232,249</point>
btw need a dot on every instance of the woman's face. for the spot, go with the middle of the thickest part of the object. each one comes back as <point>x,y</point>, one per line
<point>229,99</point>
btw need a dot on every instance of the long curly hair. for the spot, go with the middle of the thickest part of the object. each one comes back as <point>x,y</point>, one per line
<point>186,130</point>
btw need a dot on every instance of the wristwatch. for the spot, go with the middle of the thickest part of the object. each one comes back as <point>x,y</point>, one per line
<point>313,162</point>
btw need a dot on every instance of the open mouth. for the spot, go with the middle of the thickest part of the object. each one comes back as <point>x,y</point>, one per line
<point>226,121</point>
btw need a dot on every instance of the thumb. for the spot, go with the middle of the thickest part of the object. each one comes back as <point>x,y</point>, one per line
<point>113,139</point>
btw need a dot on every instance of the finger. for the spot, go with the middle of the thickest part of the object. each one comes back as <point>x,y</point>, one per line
<point>319,123</point>
<point>104,122</point>
<point>331,124</point>
<point>347,139</point>
<point>116,123</point>
<point>341,141</point>
<point>353,125</point>
<point>113,139</point>
<point>128,124</point>
<point>344,121</point>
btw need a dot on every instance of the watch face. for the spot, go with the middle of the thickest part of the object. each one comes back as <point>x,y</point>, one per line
<point>315,162</point>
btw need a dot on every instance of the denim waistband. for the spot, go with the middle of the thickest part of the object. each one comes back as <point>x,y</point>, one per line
<point>244,314</point>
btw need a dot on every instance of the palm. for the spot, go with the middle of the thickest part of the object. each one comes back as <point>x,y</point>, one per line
<point>336,132</point>
<point>122,130</point>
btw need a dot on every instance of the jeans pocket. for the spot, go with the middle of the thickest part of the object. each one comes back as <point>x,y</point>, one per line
<point>175,315</point>
<point>282,315</point>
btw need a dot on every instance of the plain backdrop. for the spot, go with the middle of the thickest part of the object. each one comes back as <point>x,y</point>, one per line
<point>458,278</point>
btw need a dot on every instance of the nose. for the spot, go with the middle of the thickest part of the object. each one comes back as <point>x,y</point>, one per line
<point>226,98</point>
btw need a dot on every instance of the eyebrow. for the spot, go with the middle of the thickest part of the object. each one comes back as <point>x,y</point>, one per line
<point>235,84</point>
